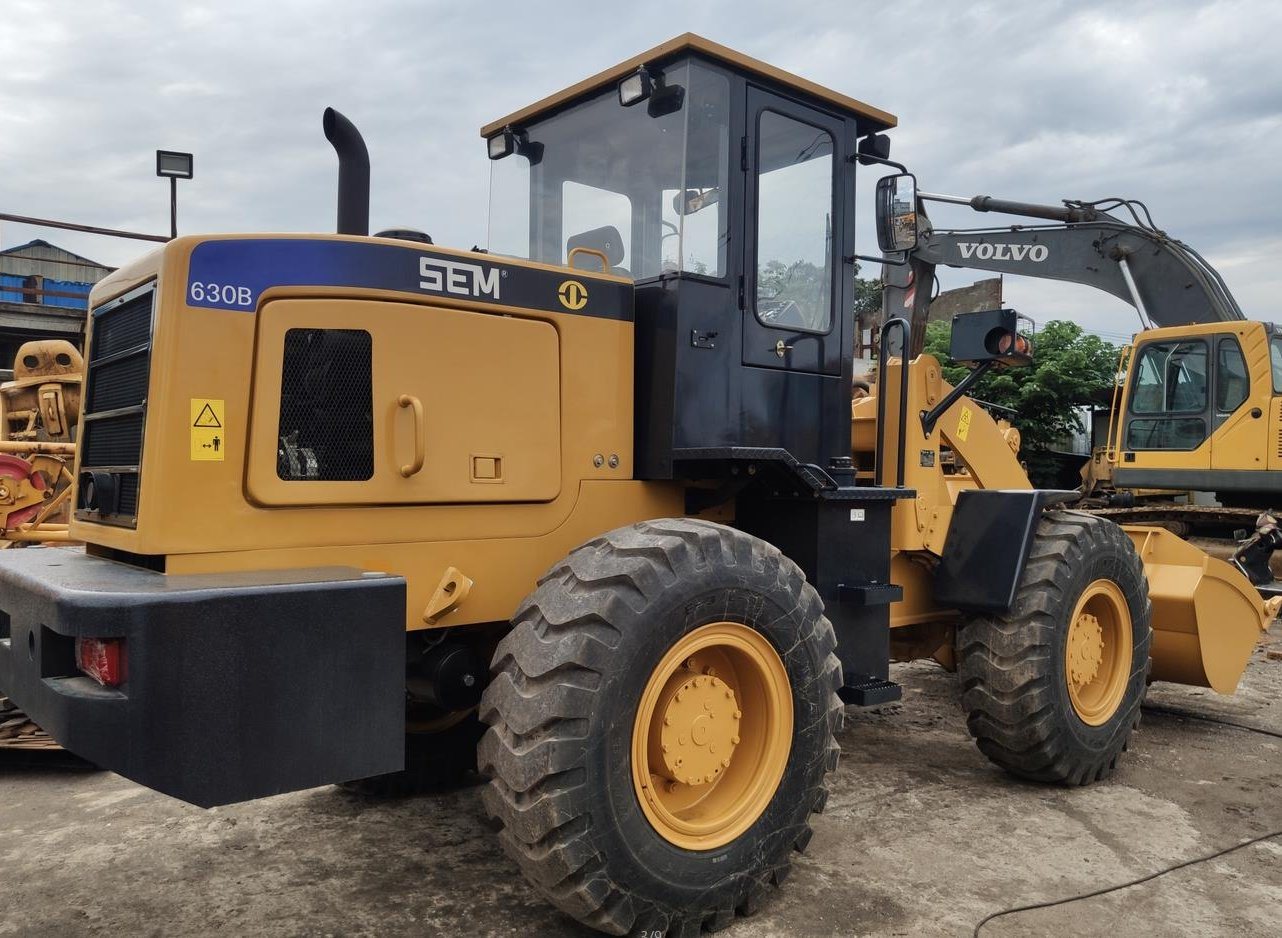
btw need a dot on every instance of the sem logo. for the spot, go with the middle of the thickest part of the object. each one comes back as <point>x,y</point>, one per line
<point>572,294</point>
<point>458,278</point>
<point>1003,252</point>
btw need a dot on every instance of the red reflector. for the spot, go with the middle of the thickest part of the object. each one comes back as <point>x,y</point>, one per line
<point>103,659</point>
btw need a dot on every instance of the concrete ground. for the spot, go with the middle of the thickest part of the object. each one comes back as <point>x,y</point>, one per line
<point>922,837</point>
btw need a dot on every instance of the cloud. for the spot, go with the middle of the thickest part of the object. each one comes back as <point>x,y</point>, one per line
<point>1175,103</point>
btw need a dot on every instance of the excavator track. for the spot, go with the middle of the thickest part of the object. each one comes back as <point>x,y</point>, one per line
<point>1195,518</point>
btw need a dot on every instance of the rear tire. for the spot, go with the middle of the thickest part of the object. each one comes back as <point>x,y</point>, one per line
<point>1053,688</point>
<point>573,685</point>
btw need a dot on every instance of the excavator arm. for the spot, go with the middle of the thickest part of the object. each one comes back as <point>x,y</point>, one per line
<point>1168,282</point>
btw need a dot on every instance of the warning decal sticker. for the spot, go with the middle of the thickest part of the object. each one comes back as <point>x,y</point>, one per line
<point>963,424</point>
<point>208,439</point>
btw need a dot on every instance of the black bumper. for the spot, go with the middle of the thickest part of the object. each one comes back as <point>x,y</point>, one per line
<point>238,685</point>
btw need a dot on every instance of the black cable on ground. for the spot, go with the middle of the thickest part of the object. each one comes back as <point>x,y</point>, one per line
<point>1188,715</point>
<point>1134,882</point>
<point>1170,869</point>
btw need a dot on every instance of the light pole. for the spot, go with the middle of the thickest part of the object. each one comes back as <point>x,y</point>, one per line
<point>176,166</point>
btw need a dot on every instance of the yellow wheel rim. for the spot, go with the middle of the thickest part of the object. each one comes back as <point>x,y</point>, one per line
<point>712,735</point>
<point>1098,652</point>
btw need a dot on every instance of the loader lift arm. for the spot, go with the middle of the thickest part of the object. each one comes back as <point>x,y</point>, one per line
<point>1167,281</point>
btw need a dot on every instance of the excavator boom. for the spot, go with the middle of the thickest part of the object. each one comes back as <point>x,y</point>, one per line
<point>1167,281</point>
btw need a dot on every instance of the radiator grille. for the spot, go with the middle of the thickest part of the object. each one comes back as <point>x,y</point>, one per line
<point>116,407</point>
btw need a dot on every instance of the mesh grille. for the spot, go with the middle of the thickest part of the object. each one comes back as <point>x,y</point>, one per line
<point>127,501</point>
<point>116,403</point>
<point>115,441</point>
<point>125,327</point>
<point>121,383</point>
<point>326,406</point>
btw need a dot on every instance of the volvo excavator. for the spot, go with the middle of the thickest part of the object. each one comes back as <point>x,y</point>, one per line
<point>1198,406</point>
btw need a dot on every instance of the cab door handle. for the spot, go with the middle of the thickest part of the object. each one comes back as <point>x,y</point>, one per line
<point>420,434</point>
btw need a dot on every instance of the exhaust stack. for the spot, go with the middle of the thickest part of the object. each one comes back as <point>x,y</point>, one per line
<point>353,172</point>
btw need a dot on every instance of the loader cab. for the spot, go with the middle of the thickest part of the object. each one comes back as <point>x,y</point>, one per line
<point>724,188</point>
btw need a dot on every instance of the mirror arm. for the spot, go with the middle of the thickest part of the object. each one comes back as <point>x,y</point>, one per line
<point>852,258</point>
<point>867,160</point>
<point>931,417</point>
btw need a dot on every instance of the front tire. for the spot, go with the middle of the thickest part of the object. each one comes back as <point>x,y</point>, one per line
<point>680,634</point>
<point>1053,688</point>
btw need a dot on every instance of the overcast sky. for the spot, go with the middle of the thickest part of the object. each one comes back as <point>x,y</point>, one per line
<point>1175,103</point>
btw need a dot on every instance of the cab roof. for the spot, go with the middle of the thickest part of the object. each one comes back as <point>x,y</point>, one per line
<point>870,118</point>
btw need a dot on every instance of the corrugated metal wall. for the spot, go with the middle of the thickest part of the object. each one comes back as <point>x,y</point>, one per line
<point>31,273</point>
<point>7,293</point>
<point>81,301</point>
<point>47,260</point>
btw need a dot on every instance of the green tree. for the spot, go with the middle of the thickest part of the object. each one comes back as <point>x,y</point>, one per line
<point>867,295</point>
<point>1070,368</point>
<point>804,283</point>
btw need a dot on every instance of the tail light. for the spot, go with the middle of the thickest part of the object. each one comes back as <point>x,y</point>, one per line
<point>103,659</point>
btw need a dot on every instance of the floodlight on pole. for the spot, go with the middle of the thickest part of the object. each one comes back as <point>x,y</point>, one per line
<point>176,166</point>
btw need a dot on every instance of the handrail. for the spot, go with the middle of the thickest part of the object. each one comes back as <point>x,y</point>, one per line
<point>1113,441</point>
<point>883,356</point>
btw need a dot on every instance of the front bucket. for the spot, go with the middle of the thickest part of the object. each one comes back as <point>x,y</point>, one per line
<point>1207,617</point>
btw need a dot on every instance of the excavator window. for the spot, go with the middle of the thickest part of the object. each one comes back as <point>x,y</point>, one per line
<point>1171,385</point>
<point>1275,358</point>
<point>1231,381</point>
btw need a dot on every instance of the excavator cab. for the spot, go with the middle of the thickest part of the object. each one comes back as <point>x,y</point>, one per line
<point>1199,411</point>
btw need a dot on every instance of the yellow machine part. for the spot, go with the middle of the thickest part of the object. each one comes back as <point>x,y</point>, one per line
<point>42,402</point>
<point>1207,618</point>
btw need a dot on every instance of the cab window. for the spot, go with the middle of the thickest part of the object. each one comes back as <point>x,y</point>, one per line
<point>1231,382</point>
<point>1275,359</point>
<point>794,224</point>
<point>1171,386</point>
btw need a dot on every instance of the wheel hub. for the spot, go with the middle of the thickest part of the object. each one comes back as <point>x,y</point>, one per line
<point>1098,652</point>
<point>1085,649</point>
<point>700,728</point>
<point>712,735</point>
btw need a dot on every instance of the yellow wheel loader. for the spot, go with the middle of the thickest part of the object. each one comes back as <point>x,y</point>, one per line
<point>1199,408</point>
<point>325,480</point>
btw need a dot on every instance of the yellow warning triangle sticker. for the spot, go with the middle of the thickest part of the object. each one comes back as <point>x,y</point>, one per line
<point>206,418</point>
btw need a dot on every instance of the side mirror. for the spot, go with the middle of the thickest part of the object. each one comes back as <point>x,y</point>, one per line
<point>692,200</point>
<point>897,213</point>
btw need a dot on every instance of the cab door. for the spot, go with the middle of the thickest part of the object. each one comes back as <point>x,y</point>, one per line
<point>1243,399</point>
<point>794,279</point>
<point>1169,414</point>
